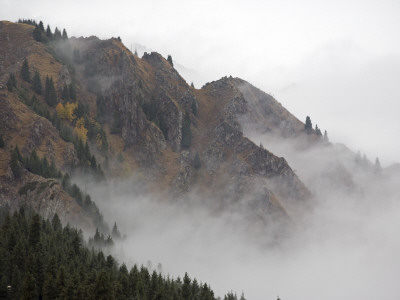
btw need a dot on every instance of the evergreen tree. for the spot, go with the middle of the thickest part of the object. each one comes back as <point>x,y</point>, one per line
<point>11,82</point>
<point>169,59</point>
<point>50,95</point>
<point>57,34</point>
<point>49,34</point>
<point>37,34</point>
<point>37,83</point>
<point>64,35</point>
<point>41,26</point>
<point>65,93</point>
<point>71,92</point>
<point>308,125</point>
<point>197,162</point>
<point>15,162</point>
<point>326,138</point>
<point>56,223</point>
<point>115,234</point>
<point>194,107</point>
<point>186,288</point>
<point>25,73</point>
<point>102,289</point>
<point>34,232</point>
<point>29,288</point>
<point>317,130</point>
<point>186,131</point>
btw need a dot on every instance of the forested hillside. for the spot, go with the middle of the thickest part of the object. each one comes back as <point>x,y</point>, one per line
<point>41,259</point>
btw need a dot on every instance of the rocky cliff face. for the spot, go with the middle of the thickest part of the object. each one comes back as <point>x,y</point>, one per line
<point>142,103</point>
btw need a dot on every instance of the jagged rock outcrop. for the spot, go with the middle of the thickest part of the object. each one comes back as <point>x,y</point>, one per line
<point>45,196</point>
<point>143,105</point>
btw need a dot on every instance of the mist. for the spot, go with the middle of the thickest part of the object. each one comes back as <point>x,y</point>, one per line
<point>344,246</point>
<point>337,62</point>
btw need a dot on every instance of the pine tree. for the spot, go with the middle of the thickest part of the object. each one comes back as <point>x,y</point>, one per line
<point>41,26</point>
<point>34,232</point>
<point>15,162</point>
<point>326,138</point>
<point>102,289</point>
<point>49,34</point>
<point>25,73</point>
<point>169,59</point>
<point>37,83</point>
<point>11,82</point>
<point>29,287</point>
<point>317,130</point>
<point>196,161</point>
<point>194,107</point>
<point>37,34</point>
<point>115,234</point>
<point>56,223</point>
<point>308,125</point>
<point>64,35</point>
<point>71,92</point>
<point>186,289</point>
<point>50,95</point>
<point>65,93</point>
<point>57,34</point>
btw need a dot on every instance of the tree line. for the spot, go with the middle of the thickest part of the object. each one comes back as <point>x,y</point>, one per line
<point>41,259</point>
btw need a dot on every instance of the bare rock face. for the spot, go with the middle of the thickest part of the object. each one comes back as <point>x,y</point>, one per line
<point>184,177</point>
<point>245,173</point>
<point>45,196</point>
<point>144,104</point>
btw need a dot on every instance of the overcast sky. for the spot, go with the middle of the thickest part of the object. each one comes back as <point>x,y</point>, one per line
<point>337,61</point>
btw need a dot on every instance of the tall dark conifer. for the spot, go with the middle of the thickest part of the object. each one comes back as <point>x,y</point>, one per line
<point>37,83</point>
<point>64,35</point>
<point>37,34</point>
<point>308,125</point>
<point>11,82</point>
<point>169,59</point>
<point>50,95</point>
<point>57,34</point>
<point>25,73</point>
<point>49,33</point>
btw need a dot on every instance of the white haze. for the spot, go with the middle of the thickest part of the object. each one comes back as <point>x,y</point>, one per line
<point>345,247</point>
<point>337,61</point>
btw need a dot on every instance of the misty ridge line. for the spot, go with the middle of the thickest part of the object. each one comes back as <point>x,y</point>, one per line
<point>351,217</point>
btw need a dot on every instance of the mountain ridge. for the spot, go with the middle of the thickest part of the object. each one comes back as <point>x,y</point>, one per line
<point>144,111</point>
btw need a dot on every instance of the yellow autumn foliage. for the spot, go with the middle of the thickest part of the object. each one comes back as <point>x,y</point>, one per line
<point>60,111</point>
<point>66,111</point>
<point>81,130</point>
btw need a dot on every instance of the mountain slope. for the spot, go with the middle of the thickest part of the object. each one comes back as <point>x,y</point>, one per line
<point>140,117</point>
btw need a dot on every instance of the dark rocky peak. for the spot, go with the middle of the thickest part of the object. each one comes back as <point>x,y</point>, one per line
<point>155,58</point>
